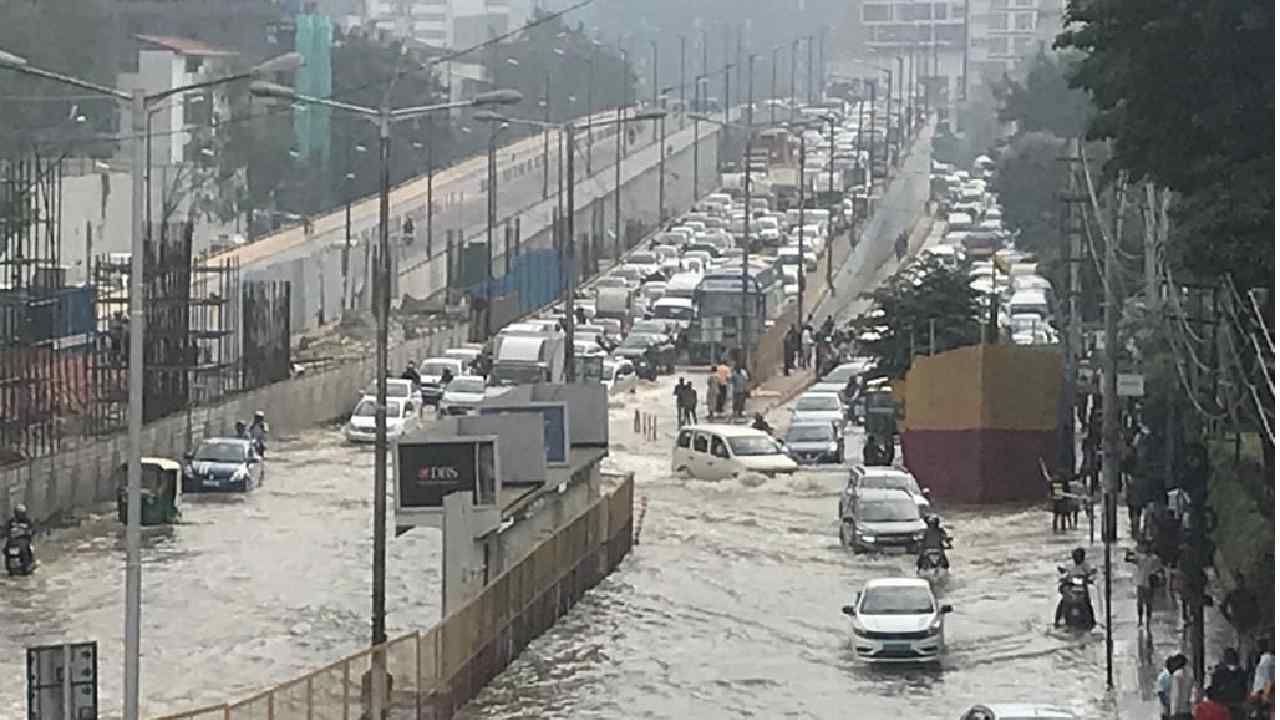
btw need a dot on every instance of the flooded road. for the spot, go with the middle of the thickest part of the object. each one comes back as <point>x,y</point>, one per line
<point>248,590</point>
<point>730,607</point>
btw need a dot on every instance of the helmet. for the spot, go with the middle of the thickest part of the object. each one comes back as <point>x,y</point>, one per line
<point>1078,555</point>
<point>19,509</point>
<point>259,415</point>
<point>934,521</point>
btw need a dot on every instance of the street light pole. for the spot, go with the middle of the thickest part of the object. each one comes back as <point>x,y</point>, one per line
<point>133,511</point>
<point>569,260</point>
<point>662,171</point>
<point>831,186</point>
<point>491,213</point>
<point>800,270</point>
<point>546,136</point>
<point>795,49</point>
<point>743,341</point>
<point>654,44</point>
<point>683,106</point>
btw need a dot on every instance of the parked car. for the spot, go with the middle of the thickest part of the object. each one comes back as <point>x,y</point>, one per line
<point>396,389</point>
<point>619,376</point>
<point>898,620</point>
<point>361,427</point>
<point>461,396</point>
<point>819,407</point>
<point>718,452</point>
<point>225,464</point>
<point>880,519</point>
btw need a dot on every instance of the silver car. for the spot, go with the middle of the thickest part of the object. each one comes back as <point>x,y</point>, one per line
<point>819,407</point>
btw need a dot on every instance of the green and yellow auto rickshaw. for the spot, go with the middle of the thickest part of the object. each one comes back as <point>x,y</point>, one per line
<point>161,491</point>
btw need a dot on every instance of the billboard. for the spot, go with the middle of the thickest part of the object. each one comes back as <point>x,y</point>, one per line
<point>555,426</point>
<point>428,471</point>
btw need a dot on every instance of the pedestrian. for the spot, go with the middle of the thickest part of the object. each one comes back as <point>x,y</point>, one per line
<point>792,340</point>
<point>788,352</point>
<point>678,394</point>
<point>722,394</point>
<point>1212,707</point>
<point>1264,676</point>
<point>738,381</point>
<point>1229,683</point>
<point>1133,500</point>
<point>1163,686</point>
<point>713,391</point>
<point>1240,607</point>
<point>1144,575</point>
<point>806,347</point>
<point>1182,685</point>
<point>691,403</point>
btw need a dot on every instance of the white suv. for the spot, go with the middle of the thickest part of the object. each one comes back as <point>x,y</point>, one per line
<point>898,620</point>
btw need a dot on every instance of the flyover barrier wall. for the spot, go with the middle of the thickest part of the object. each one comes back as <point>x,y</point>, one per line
<point>435,672</point>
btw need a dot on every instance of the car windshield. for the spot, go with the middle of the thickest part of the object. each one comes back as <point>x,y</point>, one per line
<point>638,340</point>
<point>393,389</point>
<point>365,409</point>
<point>897,601</point>
<point>643,258</point>
<point>841,374</point>
<point>673,312</point>
<point>466,385</point>
<point>819,403</point>
<point>652,327</point>
<point>902,510</point>
<point>745,446</point>
<point>891,482</point>
<point>222,452</point>
<point>809,433</point>
<point>435,369</point>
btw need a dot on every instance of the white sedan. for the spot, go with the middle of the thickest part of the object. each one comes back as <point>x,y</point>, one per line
<point>401,417</point>
<point>619,376</point>
<point>898,620</point>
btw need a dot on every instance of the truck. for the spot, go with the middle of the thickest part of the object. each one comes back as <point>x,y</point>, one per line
<point>615,303</point>
<point>525,356</point>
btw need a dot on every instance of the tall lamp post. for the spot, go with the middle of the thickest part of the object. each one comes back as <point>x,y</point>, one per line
<point>568,261</point>
<point>383,117</point>
<point>140,104</point>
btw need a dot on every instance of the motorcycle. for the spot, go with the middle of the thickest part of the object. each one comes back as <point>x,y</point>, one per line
<point>930,566</point>
<point>19,556</point>
<point>1076,608</point>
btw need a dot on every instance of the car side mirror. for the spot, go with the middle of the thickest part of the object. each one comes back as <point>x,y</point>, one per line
<point>847,610</point>
<point>188,456</point>
<point>925,492</point>
<point>947,609</point>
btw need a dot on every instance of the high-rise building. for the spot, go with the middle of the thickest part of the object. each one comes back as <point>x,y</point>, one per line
<point>446,23</point>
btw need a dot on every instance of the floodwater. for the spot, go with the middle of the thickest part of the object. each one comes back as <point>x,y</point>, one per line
<point>730,607</point>
<point>247,591</point>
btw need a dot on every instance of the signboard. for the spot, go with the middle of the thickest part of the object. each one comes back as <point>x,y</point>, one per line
<point>555,426</point>
<point>62,682</point>
<point>427,472</point>
<point>1129,385</point>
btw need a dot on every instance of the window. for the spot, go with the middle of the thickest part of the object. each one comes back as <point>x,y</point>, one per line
<point>999,4</point>
<point>1021,44</point>
<point>700,443</point>
<point>1022,3</point>
<point>1024,21</point>
<point>1000,46</point>
<point>718,449</point>
<point>952,35</point>
<point>939,11</point>
<point>684,439</point>
<point>999,21</point>
<point>875,13</point>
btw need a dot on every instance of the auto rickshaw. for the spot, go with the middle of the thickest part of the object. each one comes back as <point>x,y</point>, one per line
<point>161,491</point>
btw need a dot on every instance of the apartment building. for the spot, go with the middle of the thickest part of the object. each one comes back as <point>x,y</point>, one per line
<point>443,23</point>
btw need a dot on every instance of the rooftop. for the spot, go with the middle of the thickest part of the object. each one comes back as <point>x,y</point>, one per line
<point>186,46</point>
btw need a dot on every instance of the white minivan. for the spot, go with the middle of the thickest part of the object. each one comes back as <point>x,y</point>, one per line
<point>718,452</point>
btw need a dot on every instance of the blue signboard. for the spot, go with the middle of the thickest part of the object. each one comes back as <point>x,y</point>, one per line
<point>555,426</point>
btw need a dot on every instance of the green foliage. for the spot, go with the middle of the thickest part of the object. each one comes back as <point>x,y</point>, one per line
<point>1029,180</point>
<point>1186,91</point>
<point>1043,102</point>
<point>926,290</point>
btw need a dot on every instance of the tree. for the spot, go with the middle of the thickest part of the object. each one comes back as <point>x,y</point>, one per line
<point>1043,101</point>
<point>1186,91</point>
<point>926,291</point>
<point>1029,181</point>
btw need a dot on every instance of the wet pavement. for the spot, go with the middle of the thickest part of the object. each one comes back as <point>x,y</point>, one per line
<point>730,607</point>
<point>247,591</point>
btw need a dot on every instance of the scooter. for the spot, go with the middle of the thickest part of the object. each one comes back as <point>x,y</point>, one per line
<point>930,567</point>
<point>19,556</point>
<point>1075,604</point>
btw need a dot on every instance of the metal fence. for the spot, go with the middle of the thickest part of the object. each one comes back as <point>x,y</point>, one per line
<point>434,673</point>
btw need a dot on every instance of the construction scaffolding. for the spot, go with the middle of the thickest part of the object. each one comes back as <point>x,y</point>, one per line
<point>44,325</point>
<point>192,348</point>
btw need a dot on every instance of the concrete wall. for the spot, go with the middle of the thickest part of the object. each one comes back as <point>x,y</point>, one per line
<point>82,476</point>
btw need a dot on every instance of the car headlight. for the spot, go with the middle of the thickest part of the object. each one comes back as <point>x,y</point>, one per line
<point>833,447</point>
<point>868,538</point>
<point>859,629</point>
<point>936,626</point>
<point>241,473</point>
<point>917,536</point>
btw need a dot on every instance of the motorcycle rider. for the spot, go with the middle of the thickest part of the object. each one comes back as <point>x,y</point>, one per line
<point>935,538</point>
<point>19,527</point>
<point>411,373</point>
<point>761,424</point>
<point>1079,568</point>
<point>258,431</point>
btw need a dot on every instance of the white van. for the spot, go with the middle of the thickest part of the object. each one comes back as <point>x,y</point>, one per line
<point>1029,302</point>
<point>683,286</point>
<point>717,452</point>
<point>959,221</point>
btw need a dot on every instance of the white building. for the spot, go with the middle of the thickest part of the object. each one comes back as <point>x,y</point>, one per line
<point>436,22</point>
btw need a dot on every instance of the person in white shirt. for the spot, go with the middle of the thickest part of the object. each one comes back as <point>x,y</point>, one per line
<point>1148,564</point>
<point>1182,686</point>
<point>1264,673</point>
